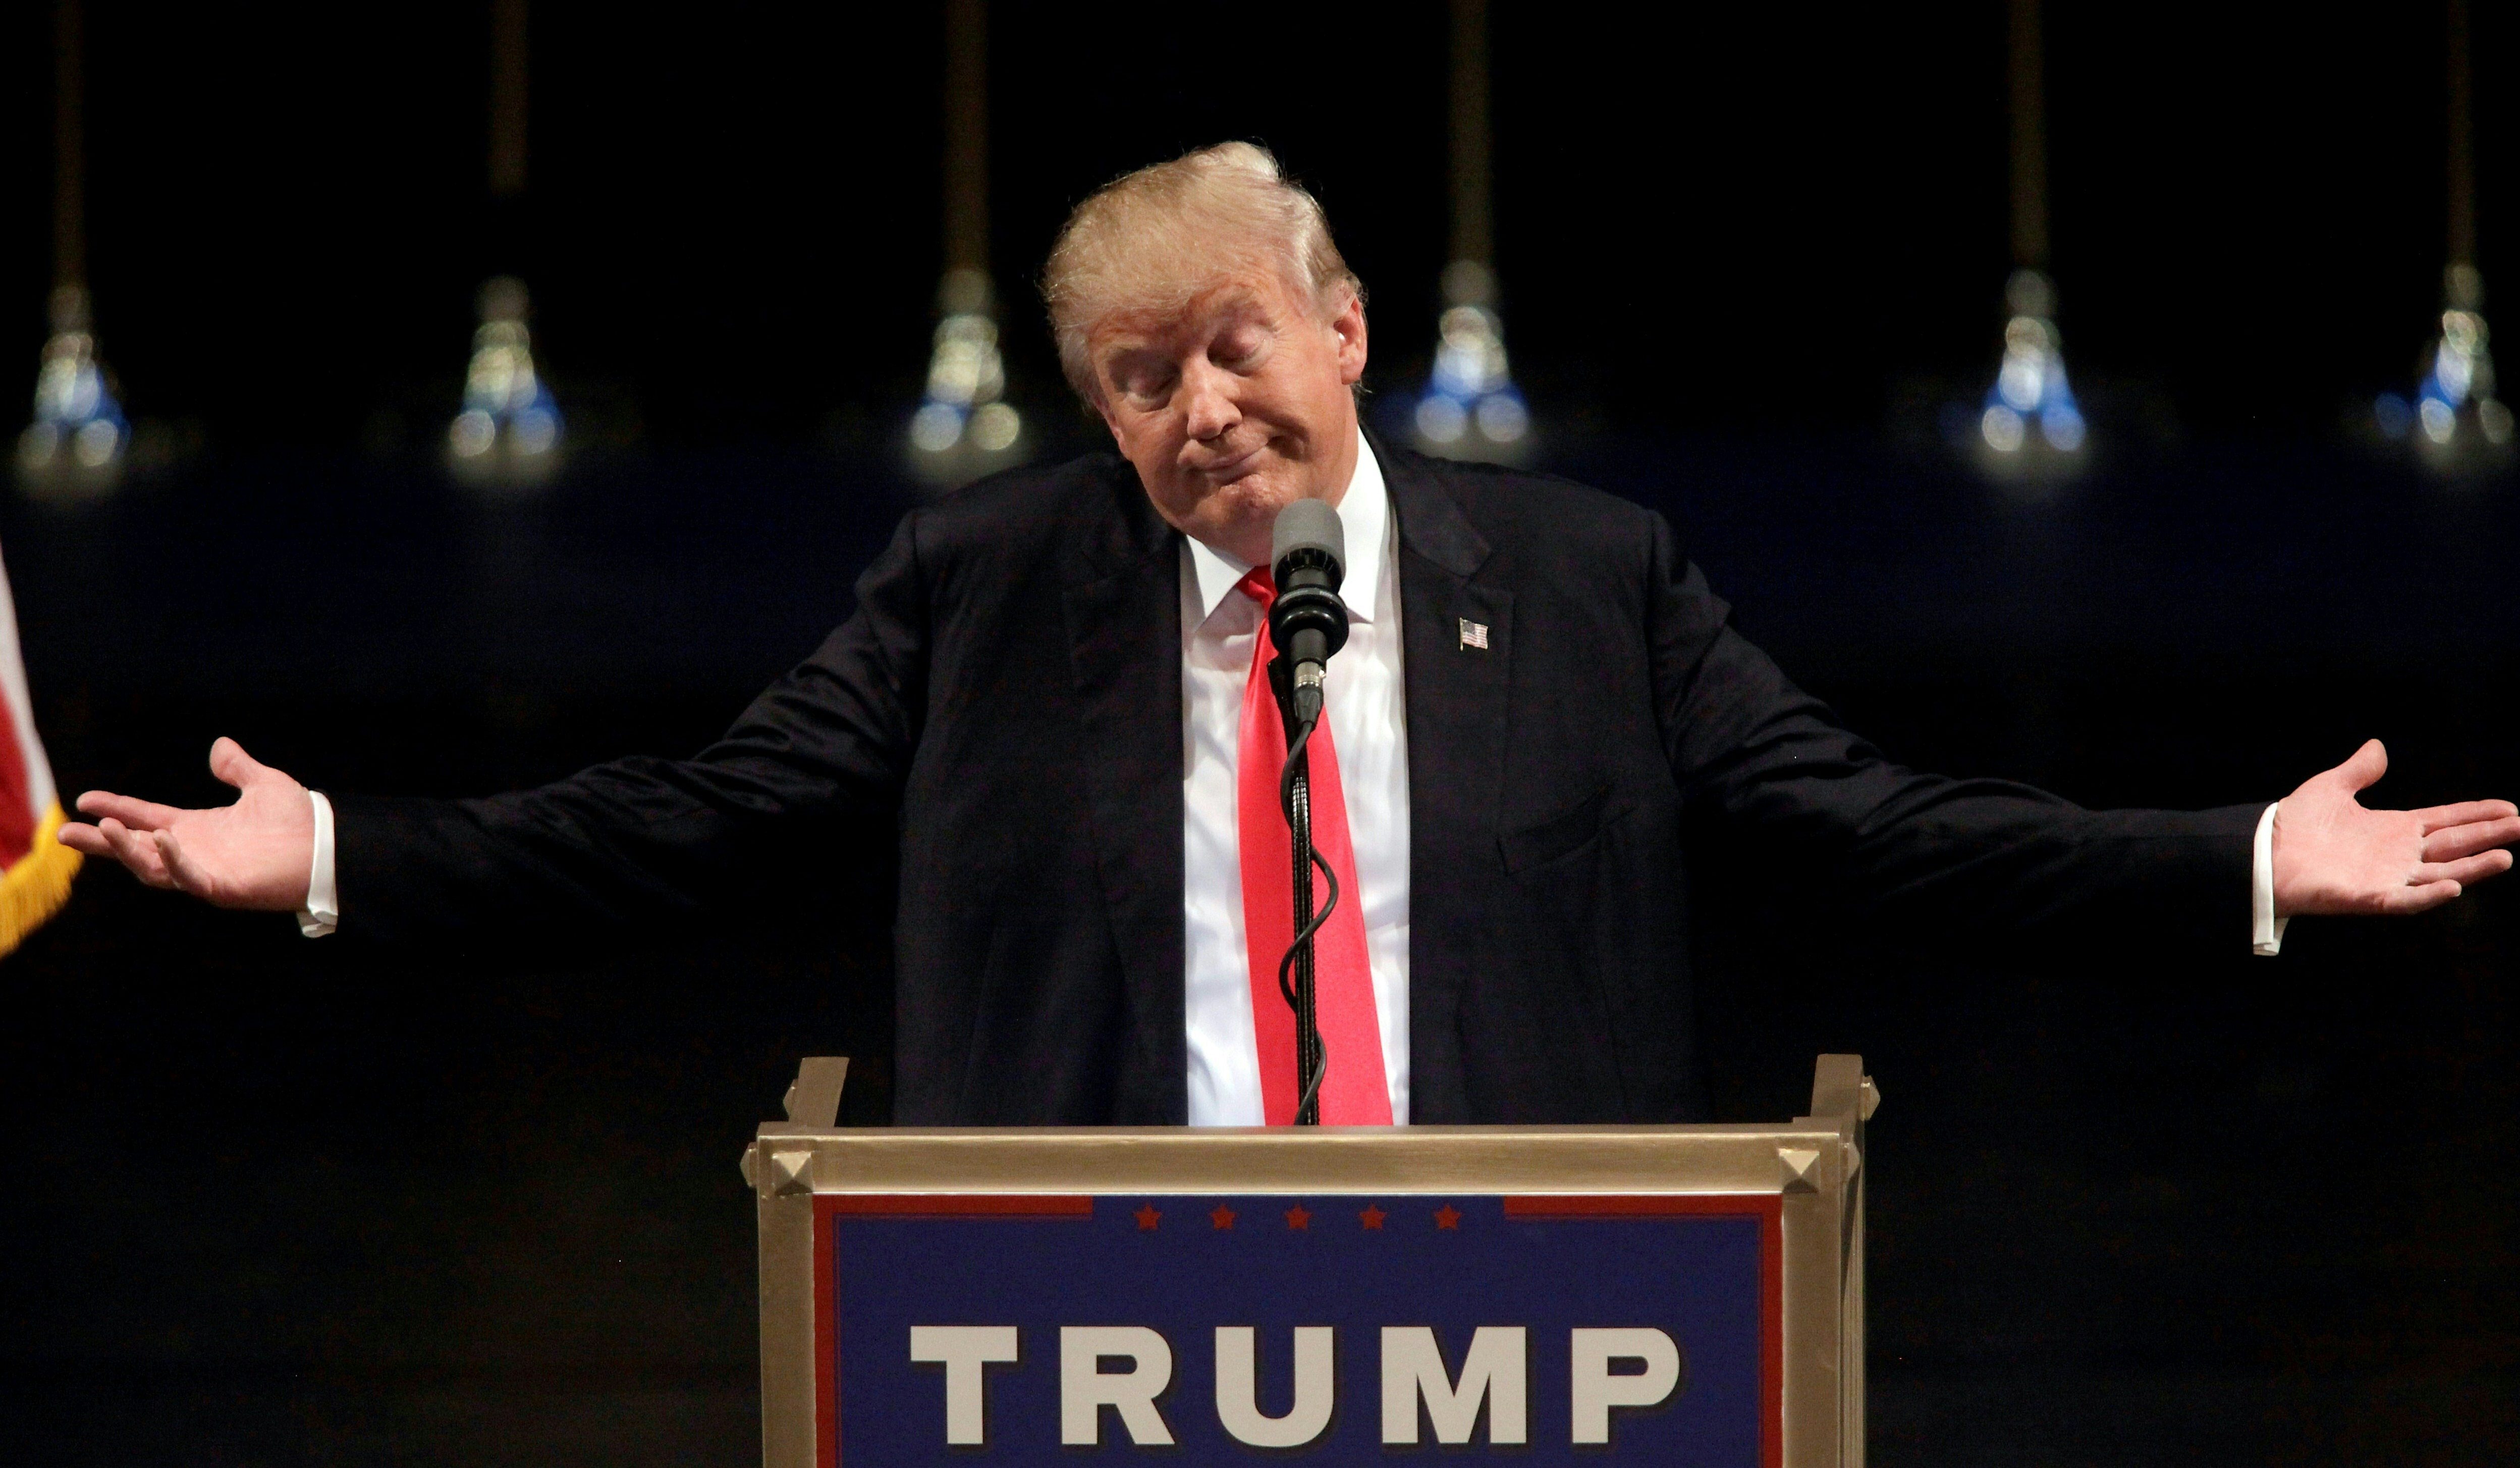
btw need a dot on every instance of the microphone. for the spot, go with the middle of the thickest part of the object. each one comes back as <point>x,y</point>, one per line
<point>1308,622</point>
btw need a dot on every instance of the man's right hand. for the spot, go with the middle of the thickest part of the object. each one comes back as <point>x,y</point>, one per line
<point>255,854</point>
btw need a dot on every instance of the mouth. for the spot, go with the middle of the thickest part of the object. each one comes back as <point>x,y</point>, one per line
<point>1232,469</point>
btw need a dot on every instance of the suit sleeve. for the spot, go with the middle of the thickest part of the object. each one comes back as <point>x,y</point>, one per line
<point>1771,766</point>
<point>644,843</point>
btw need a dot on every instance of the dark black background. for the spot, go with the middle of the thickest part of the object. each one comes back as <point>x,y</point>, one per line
<point>272,1201</point>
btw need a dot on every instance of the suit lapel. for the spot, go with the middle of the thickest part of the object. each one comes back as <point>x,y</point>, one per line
<point>1122,605</point>
<point>1455,702</point>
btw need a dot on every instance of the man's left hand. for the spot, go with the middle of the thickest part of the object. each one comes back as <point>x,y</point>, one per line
<point>2333,856</point>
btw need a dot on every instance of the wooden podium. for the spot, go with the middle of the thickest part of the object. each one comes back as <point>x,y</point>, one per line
<point>1664,1295</point>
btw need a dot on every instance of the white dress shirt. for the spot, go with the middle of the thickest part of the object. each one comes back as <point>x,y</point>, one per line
<point>2266,929</point>
<point>1366,701</point>
<point>323,910</point>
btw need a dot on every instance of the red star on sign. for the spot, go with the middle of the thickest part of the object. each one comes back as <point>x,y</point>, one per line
<point>1448,1217</point>
<point>1298,1217</point>
<point>1372,1217</point>
<point>1223,1218</point>
<point>1147,1219</point>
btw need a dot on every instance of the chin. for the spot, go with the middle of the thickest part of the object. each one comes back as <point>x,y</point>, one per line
<point>1263,496</point>
<point>1243,510</point>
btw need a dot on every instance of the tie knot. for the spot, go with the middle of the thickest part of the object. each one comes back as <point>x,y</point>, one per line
<point>1258,586</point>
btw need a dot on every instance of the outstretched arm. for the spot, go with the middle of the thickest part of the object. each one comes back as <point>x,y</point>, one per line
<point>2333,856</point>
<point>254,854</point>
<point>1751,747</point>
<point>625,844</point>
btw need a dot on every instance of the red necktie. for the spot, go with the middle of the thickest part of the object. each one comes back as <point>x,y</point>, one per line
<point>1354,1088</point>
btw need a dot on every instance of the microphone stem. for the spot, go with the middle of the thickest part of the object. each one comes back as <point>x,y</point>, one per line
<point>1308,1040</point>
<point>1312,1061</point>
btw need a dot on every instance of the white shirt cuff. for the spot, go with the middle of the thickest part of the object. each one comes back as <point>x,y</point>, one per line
<point>2266,929</point>
<point>322,897</point>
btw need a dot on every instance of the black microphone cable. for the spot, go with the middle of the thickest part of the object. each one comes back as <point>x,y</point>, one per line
<point>1295,797</point>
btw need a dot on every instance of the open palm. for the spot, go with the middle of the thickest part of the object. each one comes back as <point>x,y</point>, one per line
<point>254,853</point>
<point>2334,855</point>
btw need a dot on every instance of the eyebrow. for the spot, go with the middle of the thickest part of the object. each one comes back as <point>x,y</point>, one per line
<point>1229,305</point>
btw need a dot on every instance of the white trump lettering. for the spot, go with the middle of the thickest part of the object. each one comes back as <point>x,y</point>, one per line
<point>1237,1387</point>
<point>1413,1369</point>
<point>1597,1389</point>
<point>961,1350</point>
<point>1084,1389</point>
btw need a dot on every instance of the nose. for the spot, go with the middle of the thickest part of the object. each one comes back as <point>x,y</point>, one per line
<point>1208,407</point>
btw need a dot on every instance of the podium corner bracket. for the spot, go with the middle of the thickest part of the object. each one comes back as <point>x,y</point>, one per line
<point>791,1171</point>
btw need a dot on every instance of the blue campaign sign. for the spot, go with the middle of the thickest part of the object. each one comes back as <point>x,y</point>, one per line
<point>1039,1330</point>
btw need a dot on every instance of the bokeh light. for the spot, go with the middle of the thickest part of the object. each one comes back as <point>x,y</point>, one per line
<point>76,443</point>
<point>508,436</point>
<point>1469,407</point>
<point>964,427</point>
<point>2454,421</point>
<point>2030,426</point>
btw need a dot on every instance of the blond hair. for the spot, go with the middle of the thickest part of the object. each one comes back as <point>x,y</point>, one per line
<point>1153,238</point>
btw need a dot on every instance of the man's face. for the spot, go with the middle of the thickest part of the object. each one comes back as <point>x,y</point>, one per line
<point>1236,407</point>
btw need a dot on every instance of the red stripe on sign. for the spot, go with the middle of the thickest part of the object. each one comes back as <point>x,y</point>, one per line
<point>1769,1209</point>
<point>1642,1205</point>
<point>1771,1331</point>
<point>955,1204</point>
<point>827,1344</point>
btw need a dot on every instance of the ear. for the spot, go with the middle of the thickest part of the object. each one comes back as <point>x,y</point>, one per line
<point>1349,327</point>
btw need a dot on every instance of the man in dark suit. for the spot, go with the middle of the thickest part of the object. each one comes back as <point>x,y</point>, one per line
<point>1050,693</point>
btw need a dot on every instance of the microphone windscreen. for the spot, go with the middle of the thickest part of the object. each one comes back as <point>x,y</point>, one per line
<point>1309,525</point>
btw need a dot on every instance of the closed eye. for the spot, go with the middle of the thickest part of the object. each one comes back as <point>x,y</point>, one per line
<point>1239,351</point>
<point>1145,382</point>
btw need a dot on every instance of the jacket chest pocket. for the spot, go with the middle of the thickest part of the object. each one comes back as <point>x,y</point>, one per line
<point>1529,846</point>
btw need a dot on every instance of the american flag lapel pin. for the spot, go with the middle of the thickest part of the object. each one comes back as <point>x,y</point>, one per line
<point>1474,633</point>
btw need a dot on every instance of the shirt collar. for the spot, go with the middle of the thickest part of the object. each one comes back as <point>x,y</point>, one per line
<point>1365,520</point>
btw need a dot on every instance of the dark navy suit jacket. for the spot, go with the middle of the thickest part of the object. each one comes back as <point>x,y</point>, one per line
<point>1006,703</point>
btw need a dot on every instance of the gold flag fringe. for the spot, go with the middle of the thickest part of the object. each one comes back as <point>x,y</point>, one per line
<point>35,888</point>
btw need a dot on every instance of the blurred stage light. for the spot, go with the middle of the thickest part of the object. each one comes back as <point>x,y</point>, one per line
<point>2454,421</point>
<point>508,436</point>
<point>962,429</point>
<point>1469,408</point>
<point>2030,427</point>
<point>75,445</point>
<point>2457,425</point>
